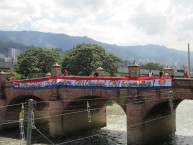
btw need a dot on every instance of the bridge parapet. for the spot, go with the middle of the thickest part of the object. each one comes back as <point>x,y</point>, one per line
<point>2,84</point>
<point>55,70</point>
<point>2,77</point>
<point>182,88</point>
<point>134,70</point>
<point>182,83</point>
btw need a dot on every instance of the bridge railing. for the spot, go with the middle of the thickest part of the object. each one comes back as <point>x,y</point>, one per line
<point>182,83</point>
<point>123,71</point>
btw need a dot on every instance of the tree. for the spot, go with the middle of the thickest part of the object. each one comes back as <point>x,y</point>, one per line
<point>13,74</point>
<point>85,58</point>
<point>110,63</point>
<point>152,66</point>
<point>37,60</point>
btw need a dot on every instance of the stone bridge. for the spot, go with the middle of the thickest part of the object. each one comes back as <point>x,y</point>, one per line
<point>63,109</point>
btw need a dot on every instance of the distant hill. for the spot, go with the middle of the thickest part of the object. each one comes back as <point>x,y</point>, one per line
<point>66,42</point>
<point>5,45</point>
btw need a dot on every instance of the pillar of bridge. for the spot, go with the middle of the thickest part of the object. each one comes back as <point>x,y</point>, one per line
<point>2,84</point>
<point>100,71</point>
<point>135,126</point>
<point>2,99</point>
<point>56,70</point>
<point>147,123</point>
<point>134,70</point>
<point>56,118</point>
<point>48,75</point>
<point>167,71</point>
<point>55,107</point>
<point>2,113</point>
<point>2,77</point>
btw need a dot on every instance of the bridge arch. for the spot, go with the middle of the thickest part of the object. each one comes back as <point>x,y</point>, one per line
<point>76,114</point>
<point>160,119</point>
<point>23,99</point>
<point>13,108</point>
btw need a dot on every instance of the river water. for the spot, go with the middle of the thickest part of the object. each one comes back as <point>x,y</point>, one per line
<point>116,133</point>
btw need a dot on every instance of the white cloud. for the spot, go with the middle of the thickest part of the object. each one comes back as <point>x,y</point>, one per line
<point>150,23</point>
<point>47,25</point>
<point>121,22</point>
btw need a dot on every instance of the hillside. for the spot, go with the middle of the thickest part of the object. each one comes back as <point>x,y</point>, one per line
<point>5,45</point>
<point>66,42</point>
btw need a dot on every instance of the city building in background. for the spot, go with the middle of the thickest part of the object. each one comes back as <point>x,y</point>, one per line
<point>13,54</point>
<point>7,63</point>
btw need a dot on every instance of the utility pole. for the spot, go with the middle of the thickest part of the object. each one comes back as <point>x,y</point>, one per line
<point>29,121</point>
<point>188,58</point>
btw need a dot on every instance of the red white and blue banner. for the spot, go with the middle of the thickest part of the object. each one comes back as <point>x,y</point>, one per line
<point>94,83</point>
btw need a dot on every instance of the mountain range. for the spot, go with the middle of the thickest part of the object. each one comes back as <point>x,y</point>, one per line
<point>25,39</point>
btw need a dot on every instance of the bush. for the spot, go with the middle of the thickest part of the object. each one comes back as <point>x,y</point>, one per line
<point>13,74</point>
<point>110,102</point>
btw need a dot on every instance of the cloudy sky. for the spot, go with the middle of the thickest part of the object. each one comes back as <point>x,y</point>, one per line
<point>121,22</point>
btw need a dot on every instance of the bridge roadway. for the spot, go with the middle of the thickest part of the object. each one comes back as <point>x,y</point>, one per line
<point>63,110</point>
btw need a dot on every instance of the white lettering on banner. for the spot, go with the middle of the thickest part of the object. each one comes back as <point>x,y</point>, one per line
<point>136,84</point>
<point>95,83</point>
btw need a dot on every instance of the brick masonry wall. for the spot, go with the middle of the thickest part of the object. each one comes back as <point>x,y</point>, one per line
<point>137,104</point>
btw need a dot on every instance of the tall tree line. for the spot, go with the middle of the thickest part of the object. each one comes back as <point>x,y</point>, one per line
<point>81,60</point>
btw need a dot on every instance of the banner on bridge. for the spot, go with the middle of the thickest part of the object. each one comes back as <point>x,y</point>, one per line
<point>94,83</point>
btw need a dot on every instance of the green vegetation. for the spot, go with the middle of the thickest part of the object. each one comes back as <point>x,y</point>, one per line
<point>110,102</point>
<point>12,74</point>
<point>81,60</point>
<point>37,60</point>
<point>152,66</point>
<point>85,58</point>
